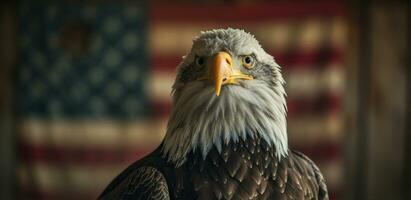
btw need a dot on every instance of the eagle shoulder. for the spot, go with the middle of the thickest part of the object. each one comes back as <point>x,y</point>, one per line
<point>310,170</point>
<point>144,183</point>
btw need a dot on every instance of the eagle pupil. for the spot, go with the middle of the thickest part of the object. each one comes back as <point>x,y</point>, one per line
<point>247,60</point>
<point>200,61</point>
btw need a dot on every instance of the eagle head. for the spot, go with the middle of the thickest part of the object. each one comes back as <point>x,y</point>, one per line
<point>227,89</point>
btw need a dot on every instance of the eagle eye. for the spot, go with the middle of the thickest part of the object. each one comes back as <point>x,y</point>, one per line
<point>248,61</point>
<point>199,61</point>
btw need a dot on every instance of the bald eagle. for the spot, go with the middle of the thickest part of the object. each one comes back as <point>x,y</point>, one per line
<point>226,137</point>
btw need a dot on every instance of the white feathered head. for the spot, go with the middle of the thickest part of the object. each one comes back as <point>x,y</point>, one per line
<point>227,88</point>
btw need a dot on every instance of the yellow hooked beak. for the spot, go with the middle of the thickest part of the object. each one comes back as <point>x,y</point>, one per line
<point>223,72</point>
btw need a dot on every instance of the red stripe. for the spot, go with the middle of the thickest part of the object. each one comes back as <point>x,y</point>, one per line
<point>320,152</point>
<point>87,156</point>
<point>62,156</point>
<point>319,58</point>
<point>244,12</point>
<point>161,109</point>
<point>333,195</point>
<point>323,104</point>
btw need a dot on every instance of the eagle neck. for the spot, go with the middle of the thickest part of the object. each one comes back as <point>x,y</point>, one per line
<point>201,121</point>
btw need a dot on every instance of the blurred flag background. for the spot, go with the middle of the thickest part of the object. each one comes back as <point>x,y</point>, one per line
<point>94,83</point>
<point>86,87</point>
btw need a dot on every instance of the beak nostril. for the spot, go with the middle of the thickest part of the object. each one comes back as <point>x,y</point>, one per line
<point>224,79</point>
<point>228,61</point>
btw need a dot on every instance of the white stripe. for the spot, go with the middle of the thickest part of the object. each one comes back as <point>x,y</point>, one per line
<point>311,129</point>
<point>159,85</point>
<point>332,172</point>
<point>92,133</point>
<point>68,179</point>
<point>175,38</point>
<point>129,135</point>
<point>339,33</point>
<point>304,82</point>
<point>273,36</point>
<point>310,34</point>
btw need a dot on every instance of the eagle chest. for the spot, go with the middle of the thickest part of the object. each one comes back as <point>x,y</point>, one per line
<point>241,170</point>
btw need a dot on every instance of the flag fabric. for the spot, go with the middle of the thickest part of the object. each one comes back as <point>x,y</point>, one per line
<point>83,107</point>
<point>85,116</point>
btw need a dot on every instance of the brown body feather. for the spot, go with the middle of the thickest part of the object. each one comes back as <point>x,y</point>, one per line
<point>250,170</point>
<point>247,169</point>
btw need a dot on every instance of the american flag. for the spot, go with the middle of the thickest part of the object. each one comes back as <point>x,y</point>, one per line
<point>84,115</point>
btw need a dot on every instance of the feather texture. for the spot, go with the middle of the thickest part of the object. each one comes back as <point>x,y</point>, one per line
<point>145,183</point>
<point>200,120</point>
<point>229,147</point>
<point>294,177</point>
<point>233,175</point>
